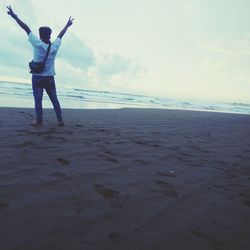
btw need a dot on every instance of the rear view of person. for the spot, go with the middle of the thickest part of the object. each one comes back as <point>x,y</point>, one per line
<point>45,79</point>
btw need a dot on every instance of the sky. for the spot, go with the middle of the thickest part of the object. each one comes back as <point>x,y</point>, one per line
<point>181,49</point>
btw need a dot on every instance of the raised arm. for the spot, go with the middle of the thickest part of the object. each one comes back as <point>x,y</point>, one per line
<point>68,24</point>
<point>19,21</point>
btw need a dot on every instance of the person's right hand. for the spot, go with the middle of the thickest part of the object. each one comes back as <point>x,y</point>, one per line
<point>70,22</point>
<point>11,12</point>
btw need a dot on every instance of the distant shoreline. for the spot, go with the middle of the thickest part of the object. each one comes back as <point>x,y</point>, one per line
<point>20,95</point>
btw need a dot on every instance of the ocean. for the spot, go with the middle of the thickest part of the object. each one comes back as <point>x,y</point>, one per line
<point>20,95</point>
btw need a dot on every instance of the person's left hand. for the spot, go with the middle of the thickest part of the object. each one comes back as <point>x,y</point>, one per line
<point>11,12</point>
<point>70,22</point>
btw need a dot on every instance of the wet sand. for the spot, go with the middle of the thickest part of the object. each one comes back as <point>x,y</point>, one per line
<point>124,179</point>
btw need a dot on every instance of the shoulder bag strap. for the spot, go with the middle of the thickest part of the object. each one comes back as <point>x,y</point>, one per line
<point>47,54</point>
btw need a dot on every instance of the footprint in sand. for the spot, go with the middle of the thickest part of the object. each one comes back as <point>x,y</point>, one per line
<point>168,174</point>
<point>79,126</point>
<point>3,205</point>
<point>113,236</point>
<point>247,203</point>
<point>63,162</point>
<point>108,158</point>
<point>22,130</point>
<point>140,141</point>
<point>49,138</point>
<point>120,142</point>
<point>145,143</point>
<point>47,132</point>
<point>167,189</point>
<point>109,194</point>
<point>217,243</point>
<point>27,115</point>
<point>59,174</point>
<point>102,130</point>
<point>69,132</point>
<point>140,162</point>
<point>25,144</point>
<point>112,159</point>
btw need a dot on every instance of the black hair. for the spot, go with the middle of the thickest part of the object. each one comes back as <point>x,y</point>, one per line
<point>45,33</point>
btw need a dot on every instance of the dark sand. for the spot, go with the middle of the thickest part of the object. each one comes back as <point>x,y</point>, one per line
<point>125,180</point>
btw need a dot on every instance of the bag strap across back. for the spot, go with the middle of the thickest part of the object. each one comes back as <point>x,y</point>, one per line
<point>47,54</point>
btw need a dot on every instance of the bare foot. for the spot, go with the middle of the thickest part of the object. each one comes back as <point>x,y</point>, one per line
<point>36,124</point>
<point>60,123</point>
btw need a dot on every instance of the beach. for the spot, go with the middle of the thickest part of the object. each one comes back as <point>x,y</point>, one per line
<point>132,179</point>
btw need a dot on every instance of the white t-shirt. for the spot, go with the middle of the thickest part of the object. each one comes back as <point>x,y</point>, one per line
<point>40,49</point>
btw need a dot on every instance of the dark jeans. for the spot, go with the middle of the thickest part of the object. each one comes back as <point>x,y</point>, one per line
<point>48,83</point>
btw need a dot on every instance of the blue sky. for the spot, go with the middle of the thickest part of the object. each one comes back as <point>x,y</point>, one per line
<point>185,49</point>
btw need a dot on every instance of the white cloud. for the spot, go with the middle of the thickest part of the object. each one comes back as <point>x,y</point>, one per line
<point>75,51</point>
<point>182,48</point>
<point>189,5</point>
<point>212,66</point>
<point>108,72</point>
<point>215,46</point>
<point>239,46</point>
<point>113,64</point>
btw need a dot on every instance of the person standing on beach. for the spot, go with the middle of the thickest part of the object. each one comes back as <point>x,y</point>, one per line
<point>45,79</point>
